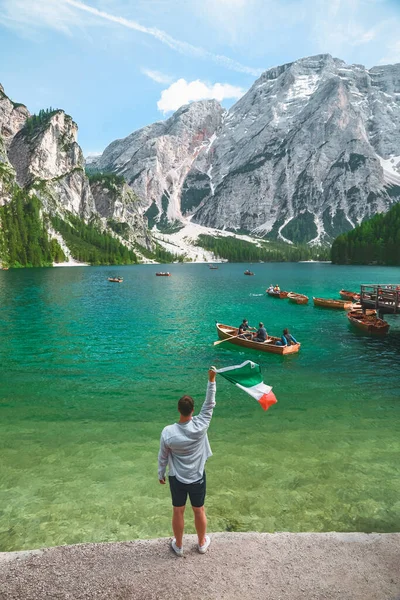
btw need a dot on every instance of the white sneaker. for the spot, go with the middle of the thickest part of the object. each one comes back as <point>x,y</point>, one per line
<point>178,551</point>
<point>203,549</point>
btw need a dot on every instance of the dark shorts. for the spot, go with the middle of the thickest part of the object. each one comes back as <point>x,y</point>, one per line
<point>180,491</point>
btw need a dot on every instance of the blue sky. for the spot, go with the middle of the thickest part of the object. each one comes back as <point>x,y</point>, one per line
<point>117,65</point>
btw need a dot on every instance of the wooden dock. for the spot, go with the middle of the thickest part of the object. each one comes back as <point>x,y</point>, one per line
<point>384,298</point>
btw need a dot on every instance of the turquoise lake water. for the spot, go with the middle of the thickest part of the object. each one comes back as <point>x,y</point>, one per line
<point>91,372</point>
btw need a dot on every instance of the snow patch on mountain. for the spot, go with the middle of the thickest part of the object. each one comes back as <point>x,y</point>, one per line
<point>183,242</point>
<point>391,169</point>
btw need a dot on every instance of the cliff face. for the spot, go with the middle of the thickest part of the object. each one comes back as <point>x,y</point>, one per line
<point>120,210</point>
<point>12,117</point>
<point>40,154</point>
<point>302,155</point>
<point>47,158</point>
<point>156,159</point>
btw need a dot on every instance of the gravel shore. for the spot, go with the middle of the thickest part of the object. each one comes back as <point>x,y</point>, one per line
<point>256,566</point>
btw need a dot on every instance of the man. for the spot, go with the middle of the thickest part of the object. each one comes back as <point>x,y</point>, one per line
<point>184,447</point>
<point>287,339</point>
<point>244,326</point>
<point>261,334</point>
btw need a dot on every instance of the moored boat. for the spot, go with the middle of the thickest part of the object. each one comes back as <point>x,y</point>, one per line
<point>279,294</point>
<point>368,323</point>
<point>357,307</point>
<point>297,298</point>
<point>346,295</point>
<point>162,274</point>
<point>116,279</point>
<point>226,331</point>
<point>213,268</point>
<point>247,272</point>
<point>330,303</point>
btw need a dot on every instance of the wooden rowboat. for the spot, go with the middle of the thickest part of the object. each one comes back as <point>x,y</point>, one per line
<point>162,274</point>
<point>368,323</point>
<point>329,303</point>
<point>115,279</point>
<point>297,298</point>
<point>346,295</point>
<point>357,307</point>
<point>248,272</point>
<point>226,331</point>
<point>279,295</point>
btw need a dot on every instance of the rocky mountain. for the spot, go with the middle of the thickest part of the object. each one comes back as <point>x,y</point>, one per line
<point>301,155</point>
<point>310,151</point>
<point>155,160</point>
<point>40,157</point>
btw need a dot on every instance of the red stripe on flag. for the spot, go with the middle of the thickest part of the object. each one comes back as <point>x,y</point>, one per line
<point>267,400</point>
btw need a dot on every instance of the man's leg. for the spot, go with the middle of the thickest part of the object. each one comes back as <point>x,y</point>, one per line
<point>178,524</point>
<point>197,493</point>
<point>179,497</point>
<point>200,522</point>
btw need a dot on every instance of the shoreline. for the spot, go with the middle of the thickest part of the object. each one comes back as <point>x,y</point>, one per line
<point>245,566</point>
<point>71,263</point>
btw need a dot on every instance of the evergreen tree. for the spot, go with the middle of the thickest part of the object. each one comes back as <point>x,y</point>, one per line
<point>374,241</point>
<point>236,250</point>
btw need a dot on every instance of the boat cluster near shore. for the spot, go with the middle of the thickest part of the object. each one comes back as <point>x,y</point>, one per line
<point>365,319</point>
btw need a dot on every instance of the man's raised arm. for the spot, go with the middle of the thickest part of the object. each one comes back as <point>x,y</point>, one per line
<point>204,417</point>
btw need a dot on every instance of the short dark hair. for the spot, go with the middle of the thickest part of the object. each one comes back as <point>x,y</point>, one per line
<point>186,405</point>
<point>285,331</point>
<point>261,324</point>
<point>245,320</point>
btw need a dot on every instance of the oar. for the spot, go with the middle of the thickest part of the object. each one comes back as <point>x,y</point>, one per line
<point>226,339</point>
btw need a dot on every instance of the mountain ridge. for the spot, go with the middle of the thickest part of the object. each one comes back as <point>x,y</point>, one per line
<point>42,178</point>
<point>302,156</point>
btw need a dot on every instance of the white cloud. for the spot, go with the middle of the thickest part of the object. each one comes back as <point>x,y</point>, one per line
<point>57,14</point>
<point>342,26</point>
<point>26,15</point>
<point>393,55</point>
<point>157,76</point>
<point>181,92</point>
<point>165,38</point>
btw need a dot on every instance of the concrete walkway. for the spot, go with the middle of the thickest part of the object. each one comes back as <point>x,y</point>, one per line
<point>281,566</point>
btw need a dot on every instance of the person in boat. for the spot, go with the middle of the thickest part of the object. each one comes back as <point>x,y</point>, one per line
<point>287,339</point>
<point>277,289</point>
<point>270,289</point>
<point>244,326</point>
<point>261,335</point>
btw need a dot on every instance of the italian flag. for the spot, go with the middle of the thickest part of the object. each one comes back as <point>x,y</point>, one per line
<point>247,377</point>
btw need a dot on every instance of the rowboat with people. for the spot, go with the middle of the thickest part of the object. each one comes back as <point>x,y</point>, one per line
<point>368,323</point>
<point>297,298</point>
<point>281,295</point>
<point>330,303</point>
<point>116,279</point>
<point>230,334</point>
<point>346,295</point>
<point>247,272</point>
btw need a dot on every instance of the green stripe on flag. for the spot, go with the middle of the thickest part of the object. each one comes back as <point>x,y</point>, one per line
<point>247,374</point>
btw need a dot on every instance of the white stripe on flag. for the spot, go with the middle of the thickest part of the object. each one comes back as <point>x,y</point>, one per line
<point>257,391</point>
